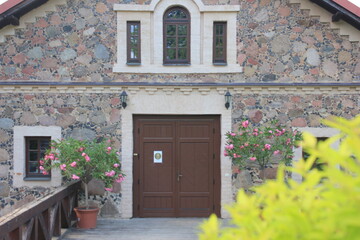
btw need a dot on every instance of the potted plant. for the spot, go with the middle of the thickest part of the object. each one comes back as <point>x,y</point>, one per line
<point>261,145</point>
<point>84,160</point>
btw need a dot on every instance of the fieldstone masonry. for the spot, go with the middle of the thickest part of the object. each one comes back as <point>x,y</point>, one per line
<point>276,43</point>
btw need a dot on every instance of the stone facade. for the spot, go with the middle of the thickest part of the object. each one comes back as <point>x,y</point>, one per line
<point>276,43</point>
<point>84,116</point>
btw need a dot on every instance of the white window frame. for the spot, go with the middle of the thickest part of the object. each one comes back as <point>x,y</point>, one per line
<point>318,133</point>
<point>19,159</point>
<point>151,21</point>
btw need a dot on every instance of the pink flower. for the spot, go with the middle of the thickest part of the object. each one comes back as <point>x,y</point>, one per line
<point>245,124</point>
<point>87,158</point>
<point>63,167</point>
<point>116,165</point>
<point>41,162</point>
<point>81,149</point>
<point>109,189</point>
<point>267,146</point>
<point>233,134</point>
<point>109,148</point>
<point>45,172</point>
<point>83,154</point>
<point>252,158</point>
<point>75,177</point>
<point>255,133</point>
<point>288,141</point>
<point>110,174</point>
<point>270,131</point>
<point>109,141</point>
<point>73,164</point>
<point>246,144</point>
<point>118,153</point>
<point>120,178</point>
<point>276,152</point>
<point>231,146</point>
<point>41,168</point>
<point>255,130</point>
<point>241,147</point>
<point>225,153</point>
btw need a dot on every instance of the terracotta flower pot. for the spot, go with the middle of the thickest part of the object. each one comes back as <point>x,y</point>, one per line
<point>86,218</point>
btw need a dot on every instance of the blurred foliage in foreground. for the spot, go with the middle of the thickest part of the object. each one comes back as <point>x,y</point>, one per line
<point>326,205</point>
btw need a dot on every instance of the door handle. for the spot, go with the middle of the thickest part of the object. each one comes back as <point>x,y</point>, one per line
<point>135,154</point>
<point>179,176</point>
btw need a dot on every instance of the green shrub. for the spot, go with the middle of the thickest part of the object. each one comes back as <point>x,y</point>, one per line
<point>326,205</point>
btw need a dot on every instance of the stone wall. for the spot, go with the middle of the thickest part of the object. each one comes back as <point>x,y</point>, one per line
<point>277,42</point>
<point>85,116</point>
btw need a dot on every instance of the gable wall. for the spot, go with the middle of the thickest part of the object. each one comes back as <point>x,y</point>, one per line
<point>277,42</point>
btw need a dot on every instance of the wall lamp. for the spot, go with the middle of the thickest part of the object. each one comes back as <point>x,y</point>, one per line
<point>123,98</point>
<point>228,97</point>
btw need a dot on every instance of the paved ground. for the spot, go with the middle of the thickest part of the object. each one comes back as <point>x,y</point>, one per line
<point>140,229</point>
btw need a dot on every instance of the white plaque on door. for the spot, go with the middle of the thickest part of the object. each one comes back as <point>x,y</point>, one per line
<point>158,156</point>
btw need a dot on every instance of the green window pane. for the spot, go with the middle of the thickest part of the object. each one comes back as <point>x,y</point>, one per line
<point>134,29</point>
<point>219,29</point>
<point>219,52</point>
<point>44,144</point>
<point>134,40</point>
<point>176,14</point>
<point>33,167</point>
<point>171,30</point>
<point>33,144</point>
<point>219,41</point>
<point>182,30</point>
<point>171,54</point>
<point>170,42</point>
<point>33,156</point>
<point>182,53</point>
<point>182,42</point>
<point>134,53</point>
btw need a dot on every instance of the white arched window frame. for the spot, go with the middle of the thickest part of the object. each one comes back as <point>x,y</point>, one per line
<point>151,20</point>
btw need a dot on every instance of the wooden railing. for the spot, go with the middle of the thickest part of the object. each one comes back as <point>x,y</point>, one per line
<point>43,219</point>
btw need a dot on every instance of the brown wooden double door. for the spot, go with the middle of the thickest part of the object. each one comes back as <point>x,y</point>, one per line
<point>176,166</point>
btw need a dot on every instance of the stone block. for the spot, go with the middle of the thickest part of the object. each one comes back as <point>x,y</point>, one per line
<point>4,155</point>
<point>109,210</point>
<point>6,123</point>
<point>243,180</point>
<point>4,171</point>
<point>3,136</point>
<point>4,189</point>
<point>83,134</point>
<point>96,187</point>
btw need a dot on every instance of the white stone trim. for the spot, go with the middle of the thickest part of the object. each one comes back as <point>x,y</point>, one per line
<point>317,132</point>
<point>151,20</point>
<point>274,90</point>
<point>176,103</point>
<point>20,132</point>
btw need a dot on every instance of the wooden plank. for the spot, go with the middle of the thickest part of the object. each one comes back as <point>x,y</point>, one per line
<point>9,224</point>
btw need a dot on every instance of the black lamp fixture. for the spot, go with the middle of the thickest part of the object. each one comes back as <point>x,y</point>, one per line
<point>228,97</point>
<point>123,97</point>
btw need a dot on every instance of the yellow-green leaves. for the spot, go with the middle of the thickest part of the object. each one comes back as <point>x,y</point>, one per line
<point>325,205</point>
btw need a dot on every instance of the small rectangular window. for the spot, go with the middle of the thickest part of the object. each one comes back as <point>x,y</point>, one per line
<point>35,151</point>
<point>219,43</point>
<point>133,42</point>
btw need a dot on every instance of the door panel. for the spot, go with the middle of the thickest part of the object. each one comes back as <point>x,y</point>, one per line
<point>186,181</point>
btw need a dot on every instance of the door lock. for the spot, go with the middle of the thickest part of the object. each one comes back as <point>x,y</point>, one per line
<point>179,176</point>
<point>135,154</point>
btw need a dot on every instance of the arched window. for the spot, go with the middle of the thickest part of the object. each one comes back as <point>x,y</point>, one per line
<point>176,36</point>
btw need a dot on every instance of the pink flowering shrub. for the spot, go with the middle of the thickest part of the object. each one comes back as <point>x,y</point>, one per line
<point>84,160</point>
<point>261,144</point>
